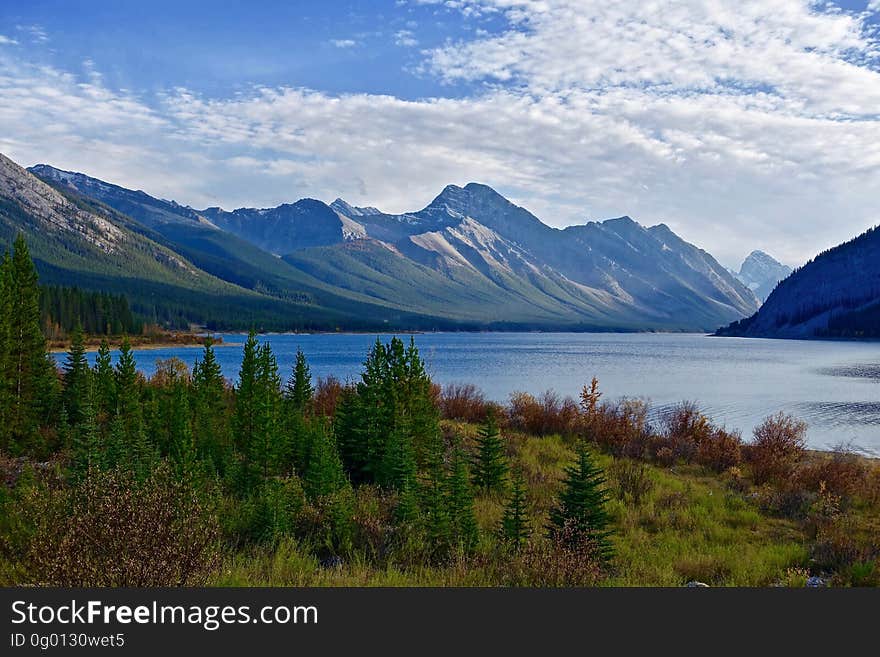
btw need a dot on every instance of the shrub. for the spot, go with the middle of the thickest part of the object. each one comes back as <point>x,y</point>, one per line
<point>372,522</point>
<point>721,451</point>
<point>569,559</point>
<point>620,428</point>
<point>777,448</point>
<point>115,531</point>
<point>786,499</point>
<point>839,545</point>
<point>631,480</point>
<point>688,435</point>
<point>326,396</point>
<point>544,415</point>
<point>684,428</point>
<point>871,493</point>
<point>275,509</point>
<point>842,473</point>
<point>463,402</point>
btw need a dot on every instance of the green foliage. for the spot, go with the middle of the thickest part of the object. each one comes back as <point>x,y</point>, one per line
<point>460,500</point>
<point>490,464</point>
<point>299,387</point>
<point>30,386</point>
<point>392,407</point>
<point>325,474</point>
<point>104,384</point>
<point>120,451</point>
<point>582,504</point>
<point>63,309</point>
<point>88,455</point>
<point>77,376</point>
<point>515,529</point>
<point>210,415</point>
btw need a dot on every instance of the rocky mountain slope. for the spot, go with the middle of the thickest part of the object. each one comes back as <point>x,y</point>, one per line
<point>471,258</point>
<point>761,273</point>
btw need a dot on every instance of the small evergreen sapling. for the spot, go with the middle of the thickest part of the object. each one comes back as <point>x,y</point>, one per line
<point>581,507</point>
<point>515,529</point>
<point>490,464</point>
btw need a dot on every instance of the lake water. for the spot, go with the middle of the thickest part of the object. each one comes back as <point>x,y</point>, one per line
<point>834,386</point>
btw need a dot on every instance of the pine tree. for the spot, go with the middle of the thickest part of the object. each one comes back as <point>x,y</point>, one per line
<point>104,385</point>
<point>461,503</point>
<point>325,474</point>
<point>209,409</point>
<point>490,465</point>
<point>515,530</point>
<point>87,453</point>
<point>246,395</point>
<point>6,294</point>
<point>398,469</point>
<point>581,505</point>
<point>299,387</point>
<point>76,378</point>
<point>297,409</point>
<point>417,410</point>
<point>266,446</point>
<point>434,505</point>
<point>137,451</point>
<point>28,371</point>
<point>183,448</point>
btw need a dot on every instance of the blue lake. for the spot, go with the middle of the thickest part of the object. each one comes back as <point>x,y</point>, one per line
<point>834,386</point>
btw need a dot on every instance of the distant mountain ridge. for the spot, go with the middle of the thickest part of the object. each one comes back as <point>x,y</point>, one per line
<point>836,294</point>
<point>470,258</point>
<point>761,273</point>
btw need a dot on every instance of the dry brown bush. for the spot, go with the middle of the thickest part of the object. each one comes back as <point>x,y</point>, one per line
<point>722,450</point>
<point>327,392</point>
<point>620,428</point>
<point>463,402</point>
<point>169,371</point>
<point>842,473</point>
<point>568,560</point>
<point>777,448</point>
<point>115,531</point>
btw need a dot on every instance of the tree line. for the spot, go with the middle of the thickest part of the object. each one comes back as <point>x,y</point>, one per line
<point>62,309</point>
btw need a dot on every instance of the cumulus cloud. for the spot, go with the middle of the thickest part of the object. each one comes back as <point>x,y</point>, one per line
<point>344,43</point>
<point>7,41</point>
<point>741,125</point>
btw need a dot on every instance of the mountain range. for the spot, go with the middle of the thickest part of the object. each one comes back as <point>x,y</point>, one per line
<point>471,259</point>
<point>761,273</point>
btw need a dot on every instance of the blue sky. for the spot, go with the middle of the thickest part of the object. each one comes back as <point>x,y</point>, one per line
<point>742,124</point>
<point>368,46</point>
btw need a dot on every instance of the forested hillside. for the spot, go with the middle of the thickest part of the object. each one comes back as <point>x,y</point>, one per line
<point>836,294</point>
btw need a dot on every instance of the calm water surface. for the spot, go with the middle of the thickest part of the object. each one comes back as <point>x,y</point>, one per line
<point>834,386</point>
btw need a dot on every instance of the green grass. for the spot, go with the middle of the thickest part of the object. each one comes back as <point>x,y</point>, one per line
<point>689,526</point>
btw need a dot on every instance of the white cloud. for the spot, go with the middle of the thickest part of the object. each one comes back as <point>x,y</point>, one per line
<point>405,38</point>
<point>344,43</point>
<point>742,125</point>
<point>7,41</point>
<point>36,33</point>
